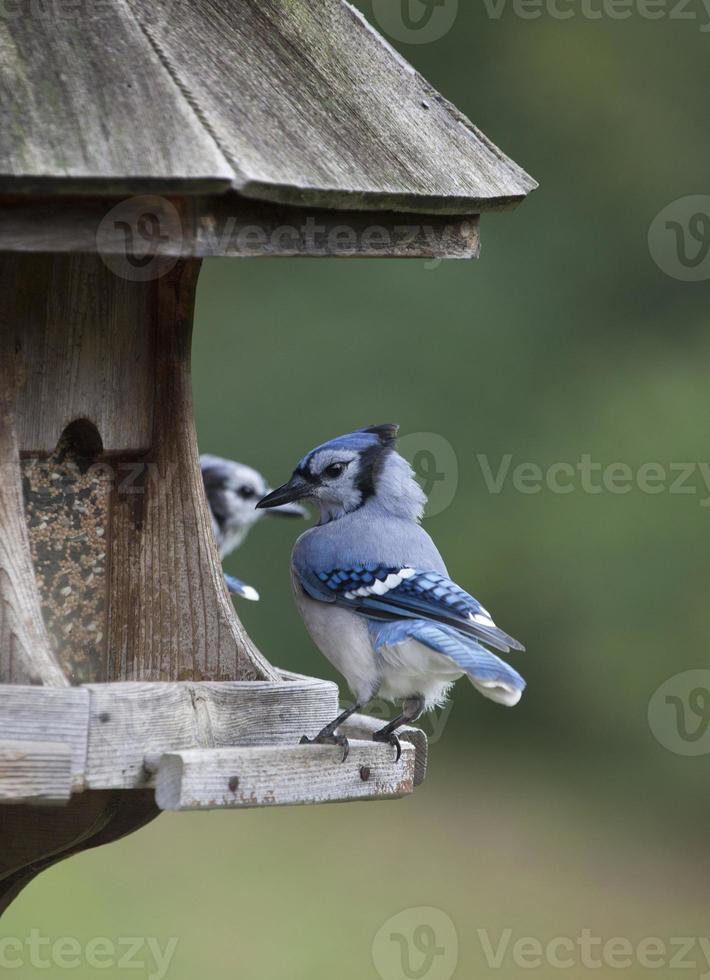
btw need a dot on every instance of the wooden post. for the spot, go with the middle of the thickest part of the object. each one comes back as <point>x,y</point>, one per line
<point>108,569</point>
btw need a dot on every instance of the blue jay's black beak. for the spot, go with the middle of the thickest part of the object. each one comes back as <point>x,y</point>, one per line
<point>290,509</point>
<point>285,497</point>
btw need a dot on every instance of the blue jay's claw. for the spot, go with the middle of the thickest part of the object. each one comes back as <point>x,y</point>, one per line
<point>327,738</point>
<point>385,735</point>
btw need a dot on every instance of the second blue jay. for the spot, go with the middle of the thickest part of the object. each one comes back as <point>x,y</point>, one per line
<point>233,491</point>
<point>374,591</point>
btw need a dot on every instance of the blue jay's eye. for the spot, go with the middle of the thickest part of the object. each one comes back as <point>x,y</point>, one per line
<point>246,493</point>
<point>335,470</point>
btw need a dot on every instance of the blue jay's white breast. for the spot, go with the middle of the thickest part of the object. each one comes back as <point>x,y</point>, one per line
<point>392,673</point>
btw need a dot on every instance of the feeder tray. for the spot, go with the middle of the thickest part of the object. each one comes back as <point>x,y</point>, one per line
<point>200,746</point>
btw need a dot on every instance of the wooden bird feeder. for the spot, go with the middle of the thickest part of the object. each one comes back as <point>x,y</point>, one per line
<point>135,140</point>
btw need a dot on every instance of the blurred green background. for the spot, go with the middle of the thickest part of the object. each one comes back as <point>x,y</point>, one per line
<point>564,339</point>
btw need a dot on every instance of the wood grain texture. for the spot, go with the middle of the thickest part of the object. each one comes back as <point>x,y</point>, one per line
<point>231,225</point>
<point>35,772</point>
<point>311,107</point>
<point>40,714</point>
<point>129,721</point>
<point>26,655</point>
<point>170,615</point>
<point>86,103</point>
<point>295,101</point>
<point>83,341</point>
<point>208,779</point>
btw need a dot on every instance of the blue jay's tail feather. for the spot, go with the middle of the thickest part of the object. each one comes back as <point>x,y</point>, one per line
<point>488,673</point>
<point>241,589</point>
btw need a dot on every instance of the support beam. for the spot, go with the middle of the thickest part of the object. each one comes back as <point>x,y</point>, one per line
<point>226,225</point>
<point>209,779</point>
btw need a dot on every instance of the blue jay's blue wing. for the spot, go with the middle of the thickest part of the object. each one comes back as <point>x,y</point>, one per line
<point>382,592</point>
<point>488,673</point>
<point>241,589</point>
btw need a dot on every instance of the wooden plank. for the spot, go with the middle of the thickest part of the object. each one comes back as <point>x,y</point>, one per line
<point>110,728</point>
<point>207,779</point>
<point>130,720</point>
<point>234,226</point>
<point>312,107</point>
<point>230,225</point>
<point>85,101</point>
<point>40,714</point>
<point>35,772</point>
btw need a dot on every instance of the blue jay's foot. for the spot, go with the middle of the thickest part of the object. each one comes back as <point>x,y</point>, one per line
<point>327,735</point>
<point>413,707</point>
<point>328,739</point>
<point>385,735</point>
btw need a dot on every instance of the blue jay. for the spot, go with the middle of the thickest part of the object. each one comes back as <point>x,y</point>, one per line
<point>233,491</point>
<point>373,589</point>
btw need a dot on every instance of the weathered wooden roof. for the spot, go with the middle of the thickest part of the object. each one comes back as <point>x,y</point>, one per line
<point>296,102</point>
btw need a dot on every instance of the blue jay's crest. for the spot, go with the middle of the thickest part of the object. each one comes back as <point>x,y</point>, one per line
<point>387,433</point>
